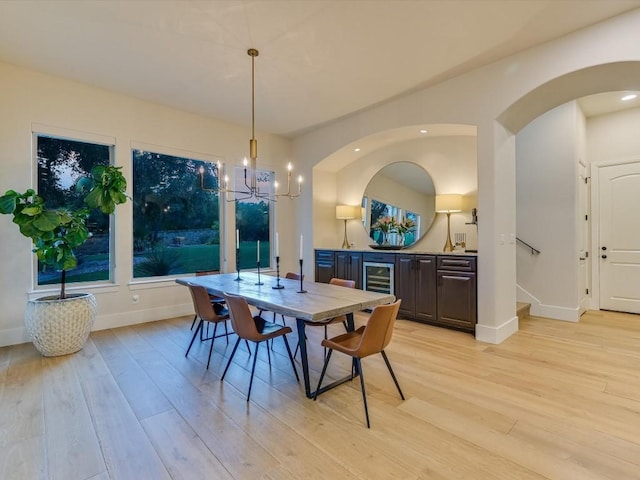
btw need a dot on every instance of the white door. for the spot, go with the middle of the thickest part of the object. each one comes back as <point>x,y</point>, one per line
<point>619,237</point>
<point>583,238</point>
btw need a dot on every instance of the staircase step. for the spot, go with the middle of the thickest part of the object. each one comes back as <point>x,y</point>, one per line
<point>522,310</point>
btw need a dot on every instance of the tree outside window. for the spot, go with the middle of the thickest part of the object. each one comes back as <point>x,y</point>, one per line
<point>60,163</point>
<point>176,224</point>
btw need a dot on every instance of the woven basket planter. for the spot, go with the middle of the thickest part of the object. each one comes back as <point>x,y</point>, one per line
<point>59,327</point>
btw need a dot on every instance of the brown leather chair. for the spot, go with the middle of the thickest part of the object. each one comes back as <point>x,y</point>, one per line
<point>339,319</point>
<point>254,329</point>
<point>290,276</point>
<point>216,301</point>
<point>365,341</point>
<point>206,313</point>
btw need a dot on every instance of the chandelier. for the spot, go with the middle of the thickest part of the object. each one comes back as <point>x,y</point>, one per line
<point>250,189</point>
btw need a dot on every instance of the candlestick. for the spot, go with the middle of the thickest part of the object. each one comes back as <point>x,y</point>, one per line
<point>302,290</point>
<point>277,286</point>
<point>301,249</point>
<point>238,279</point>
<point>259,282</point>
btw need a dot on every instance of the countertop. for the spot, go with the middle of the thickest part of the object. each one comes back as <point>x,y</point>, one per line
<point>402,251</point>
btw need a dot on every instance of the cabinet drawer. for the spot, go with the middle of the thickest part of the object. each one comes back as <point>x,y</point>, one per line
<point>324,256</point>
<point>379,257</point>
<point>461,264</point>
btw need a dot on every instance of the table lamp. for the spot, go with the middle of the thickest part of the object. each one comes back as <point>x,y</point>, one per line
<point>450,203</point>
<point>346,212</point>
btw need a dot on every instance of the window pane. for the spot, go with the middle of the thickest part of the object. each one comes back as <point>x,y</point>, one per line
<point>176,225</point>
<point>253,221</point>
<point>60,163</point>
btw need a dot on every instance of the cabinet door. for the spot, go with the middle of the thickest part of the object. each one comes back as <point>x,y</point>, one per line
<point>324,266</point>
<point>457,299</point>
<point>405,284</point>
<point>348,265</point>
<point>426,294</point>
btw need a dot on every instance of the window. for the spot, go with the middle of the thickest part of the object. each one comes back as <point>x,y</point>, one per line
<point>60,163</point>
<point>253,221</point>
<point>176,224</point>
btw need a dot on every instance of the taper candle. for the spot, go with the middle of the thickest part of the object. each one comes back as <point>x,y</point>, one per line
<point>258,252</point>
<point>237,239</point>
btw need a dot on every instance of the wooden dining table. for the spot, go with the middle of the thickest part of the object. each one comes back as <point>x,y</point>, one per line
<point>319,302</point>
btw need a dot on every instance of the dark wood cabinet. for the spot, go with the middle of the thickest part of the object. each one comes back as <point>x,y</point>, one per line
<point>416,286</point>
<point>436,289</point>
<point>457,292</point>
<point>348,265</point>
<point>325,265</point>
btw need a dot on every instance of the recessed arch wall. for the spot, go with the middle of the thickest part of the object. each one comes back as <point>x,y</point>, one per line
<point>496,99</point>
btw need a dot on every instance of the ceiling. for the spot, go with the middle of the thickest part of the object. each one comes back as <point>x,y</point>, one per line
<point>319,60</point>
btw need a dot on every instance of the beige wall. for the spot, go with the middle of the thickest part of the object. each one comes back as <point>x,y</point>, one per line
<point>28,98</point>
<point>450,161</point>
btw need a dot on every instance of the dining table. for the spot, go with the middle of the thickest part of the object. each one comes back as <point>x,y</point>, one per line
<point>307,302</point>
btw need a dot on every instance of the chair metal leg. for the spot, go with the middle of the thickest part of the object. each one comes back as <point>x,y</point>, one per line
<point>248,347</point>
<point>233,352</point>
<point>253,369</point>
<point>268,351</point>
<point>386,360</point>
<point>324,370</point>
<point>298,345</point>
<point>211,346</point>
<point>226,332</point>
<point>364,393</point>
<point>195,334</point>
<point>286,344</point>
<point>195,317</point>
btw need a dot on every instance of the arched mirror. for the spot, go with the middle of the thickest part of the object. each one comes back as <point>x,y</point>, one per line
<point>398,205</point>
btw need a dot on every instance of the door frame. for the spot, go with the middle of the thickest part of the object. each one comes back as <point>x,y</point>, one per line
<point>595,224</point>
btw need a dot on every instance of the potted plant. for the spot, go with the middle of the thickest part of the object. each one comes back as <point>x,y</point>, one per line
<point>60,324</point>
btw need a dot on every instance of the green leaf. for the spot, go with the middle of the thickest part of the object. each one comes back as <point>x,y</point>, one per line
<point>8,203</point>
<point>32,210</point>
<point>47,220</point>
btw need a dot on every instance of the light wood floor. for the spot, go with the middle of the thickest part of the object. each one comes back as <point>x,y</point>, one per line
<point>557,400</point>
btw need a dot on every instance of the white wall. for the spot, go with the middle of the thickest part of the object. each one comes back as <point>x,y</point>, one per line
<point>614,137</point>
<point>506,94</point>
<point>28,98</point>
<point>547,152</point>
<point>450,161</point>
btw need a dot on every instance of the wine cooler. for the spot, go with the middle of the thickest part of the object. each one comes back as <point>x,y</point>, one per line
<point>378,277</point>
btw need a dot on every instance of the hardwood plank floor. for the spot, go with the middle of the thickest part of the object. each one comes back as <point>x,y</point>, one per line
<point>557,400</point>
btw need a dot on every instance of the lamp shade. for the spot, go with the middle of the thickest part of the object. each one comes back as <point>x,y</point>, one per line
<point>449,203</point>
<point>346,212</point>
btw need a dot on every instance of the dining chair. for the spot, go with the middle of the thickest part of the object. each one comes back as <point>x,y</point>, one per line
<point>290,276</point>
<point>206,313</point>
<point>254,329</point>
<point>339,319</point>
<point>216,301</point>
<point>363,342</point>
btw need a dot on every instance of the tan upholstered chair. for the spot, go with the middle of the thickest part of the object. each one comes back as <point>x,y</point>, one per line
<point>365,341</point>
<point>339,319</point>
<point>254,329</point>
<point>290,276</point>
<point>216,301</point>
<point>205,312</point>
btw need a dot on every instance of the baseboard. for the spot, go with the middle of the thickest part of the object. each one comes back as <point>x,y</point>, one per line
<point>555,312</point>
<point>538,309</point>
<point>123,319</point>
<point>13,336</point>
<point>497,334</point>
<point>16,336</point>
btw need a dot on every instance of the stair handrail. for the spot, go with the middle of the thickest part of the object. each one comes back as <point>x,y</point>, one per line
<point>534,251</point>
